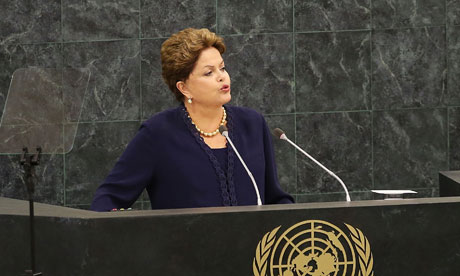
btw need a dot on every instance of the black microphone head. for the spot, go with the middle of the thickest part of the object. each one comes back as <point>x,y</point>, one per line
<point>277,133</point>
<point>222,129</point>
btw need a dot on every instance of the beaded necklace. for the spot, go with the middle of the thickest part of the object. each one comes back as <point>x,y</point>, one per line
<point>210,134</point>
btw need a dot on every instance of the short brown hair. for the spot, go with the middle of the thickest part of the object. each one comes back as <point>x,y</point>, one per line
<point>180,52</point>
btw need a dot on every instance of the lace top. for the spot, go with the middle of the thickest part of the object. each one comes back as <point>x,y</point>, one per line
<point>225,179</point>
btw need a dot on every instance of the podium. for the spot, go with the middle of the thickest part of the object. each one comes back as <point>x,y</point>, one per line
<point>380,237</point>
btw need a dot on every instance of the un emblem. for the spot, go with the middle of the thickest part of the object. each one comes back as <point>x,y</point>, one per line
<point>314,248</point>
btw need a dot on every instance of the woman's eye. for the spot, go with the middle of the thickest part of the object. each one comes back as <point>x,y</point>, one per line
<point>223,69</point>
<point>208,73</point>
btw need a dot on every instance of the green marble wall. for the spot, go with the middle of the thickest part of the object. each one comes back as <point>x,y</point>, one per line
<point>369,88</point>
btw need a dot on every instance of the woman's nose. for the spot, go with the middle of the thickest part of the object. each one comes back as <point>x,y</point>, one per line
<point>221,76</point>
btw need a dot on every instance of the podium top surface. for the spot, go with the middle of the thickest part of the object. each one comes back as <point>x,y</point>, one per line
<point>454,175</point>
<point>16,207</point>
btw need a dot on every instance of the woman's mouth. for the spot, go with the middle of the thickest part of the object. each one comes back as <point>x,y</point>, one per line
<point>225,88</point>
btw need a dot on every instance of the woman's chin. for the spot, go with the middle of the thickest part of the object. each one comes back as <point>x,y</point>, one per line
<point>226,99</point>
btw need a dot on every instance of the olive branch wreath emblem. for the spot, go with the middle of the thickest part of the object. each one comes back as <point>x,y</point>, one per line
<point>363,248</point>
<point>361,244</point>
<point>259,264</point>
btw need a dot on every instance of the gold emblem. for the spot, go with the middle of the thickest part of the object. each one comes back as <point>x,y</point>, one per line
<point>314,248</point>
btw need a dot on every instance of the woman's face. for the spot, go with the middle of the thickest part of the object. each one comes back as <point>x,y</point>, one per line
<point>209,83</point>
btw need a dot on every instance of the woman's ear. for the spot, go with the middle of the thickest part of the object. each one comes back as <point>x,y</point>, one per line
<point>180,85</point>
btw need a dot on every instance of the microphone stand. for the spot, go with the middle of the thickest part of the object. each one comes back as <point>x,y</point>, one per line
<point>281,135</point>
<point>223,130</point>
<point>29,162</point>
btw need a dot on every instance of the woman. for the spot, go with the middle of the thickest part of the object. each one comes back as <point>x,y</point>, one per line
<point>179,156</point>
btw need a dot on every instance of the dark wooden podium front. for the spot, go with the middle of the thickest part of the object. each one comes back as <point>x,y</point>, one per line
<point>385,237</point>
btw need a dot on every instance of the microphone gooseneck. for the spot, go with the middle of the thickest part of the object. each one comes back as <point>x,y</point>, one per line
<point>224,131</point>
<point>278,133</point>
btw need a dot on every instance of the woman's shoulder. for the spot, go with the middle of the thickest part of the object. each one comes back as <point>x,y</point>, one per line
<point>244,112</point>
<point>164,119</point>
<point>246,120</point>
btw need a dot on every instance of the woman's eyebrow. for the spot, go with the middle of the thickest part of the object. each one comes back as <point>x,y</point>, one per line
<point>212,66</point>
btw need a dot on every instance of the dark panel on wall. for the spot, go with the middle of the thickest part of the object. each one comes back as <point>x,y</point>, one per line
<point>261,69</point>
<point>453,12</point>
<point>163,18</point>
<point>156,95</point>
<point>319,15</point>
<point>114,88</point>
<point>97,147</point>
<point>399,14</point>
<point>49,187</point>
<point>284,153</point>
<point>99,19</point>
<point>242,17</point>
<point>332,71</point>
<point>408,68</point>
<point>453,65</point>
<point>30,21</point>
<point>454,138</point>
<point>410,148</point>
<point>341,142</point>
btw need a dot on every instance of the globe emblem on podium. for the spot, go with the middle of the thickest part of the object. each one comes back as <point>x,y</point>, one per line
<point>314,248</point>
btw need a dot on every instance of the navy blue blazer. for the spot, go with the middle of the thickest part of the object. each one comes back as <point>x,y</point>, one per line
<point>172,162</point>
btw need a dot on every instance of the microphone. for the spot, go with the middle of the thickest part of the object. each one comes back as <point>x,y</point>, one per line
<point>278,133</point>
<point>224,131</point>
